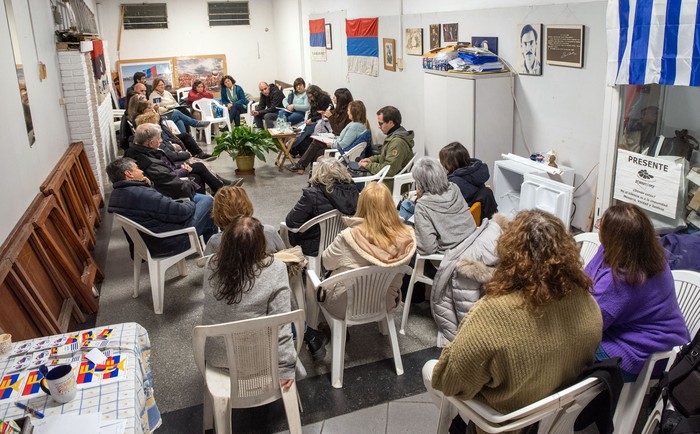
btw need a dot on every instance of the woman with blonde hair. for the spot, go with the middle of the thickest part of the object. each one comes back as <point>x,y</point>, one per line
<point>634,287</point>
<point>534,331</point>
<point>375,236</point>
<point>331,187</point>
<point>231,202</point>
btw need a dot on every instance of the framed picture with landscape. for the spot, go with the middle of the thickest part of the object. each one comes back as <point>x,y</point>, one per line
<point>162,67</point>
<point>209,68</point>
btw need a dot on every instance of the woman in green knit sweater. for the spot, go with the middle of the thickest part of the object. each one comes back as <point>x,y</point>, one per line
<point>534,331</point>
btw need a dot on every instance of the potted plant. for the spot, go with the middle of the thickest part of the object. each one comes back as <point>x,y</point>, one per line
<point>243,144</point>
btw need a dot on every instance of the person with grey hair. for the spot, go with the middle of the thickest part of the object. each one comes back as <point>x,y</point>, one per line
<point>148,157</point>
<point>135,198</point>
<point>442,217</point>
<point>331,187</point>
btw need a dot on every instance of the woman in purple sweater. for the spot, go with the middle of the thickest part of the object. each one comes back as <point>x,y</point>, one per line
<point>633,285</point>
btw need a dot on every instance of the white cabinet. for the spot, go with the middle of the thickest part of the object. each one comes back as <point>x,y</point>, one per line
<point>475,110</point>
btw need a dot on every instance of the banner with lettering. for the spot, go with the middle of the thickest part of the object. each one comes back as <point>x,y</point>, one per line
<point>651,183</point>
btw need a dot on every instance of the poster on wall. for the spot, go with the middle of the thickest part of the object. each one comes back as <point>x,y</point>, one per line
<point>153,68</point>
<point>648,182</point>
<point>529,41</point>
<point>414,42</point>
<point>565,46</point>
<point>210,69</point>
<point>317,39</point>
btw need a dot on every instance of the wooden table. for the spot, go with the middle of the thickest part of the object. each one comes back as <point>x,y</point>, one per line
<point>120,389</point>
<point>285,140</point>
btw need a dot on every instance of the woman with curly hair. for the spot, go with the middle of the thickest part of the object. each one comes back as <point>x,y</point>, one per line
<point>534,331</point>
<point>231,202</point>
<point>233,97</point>
<point>634,287</point>
<point>243,281</point>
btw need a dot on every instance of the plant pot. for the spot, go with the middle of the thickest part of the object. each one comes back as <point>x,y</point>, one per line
<point>245,165</point>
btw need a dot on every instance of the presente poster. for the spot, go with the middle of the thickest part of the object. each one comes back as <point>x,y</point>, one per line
<point>648,182</point>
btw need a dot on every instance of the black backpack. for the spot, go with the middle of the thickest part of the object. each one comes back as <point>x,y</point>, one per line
<point>681,386</point>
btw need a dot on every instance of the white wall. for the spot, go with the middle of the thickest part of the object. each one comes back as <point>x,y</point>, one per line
<point>24,168</point>
<point>560,110</point>
<point>251,53</point>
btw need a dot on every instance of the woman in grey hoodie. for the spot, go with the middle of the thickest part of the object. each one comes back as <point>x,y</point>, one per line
<point>442,217</point>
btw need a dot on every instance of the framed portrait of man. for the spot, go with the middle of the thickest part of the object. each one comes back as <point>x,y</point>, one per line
<point>530,43</point>
<point>389,54</point>
<point>434,36</point>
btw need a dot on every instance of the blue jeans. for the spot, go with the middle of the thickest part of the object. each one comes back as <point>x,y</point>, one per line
<point>234,113</point>
<point>294,117</point>
<point>202,220</point>
<point>181,119</point>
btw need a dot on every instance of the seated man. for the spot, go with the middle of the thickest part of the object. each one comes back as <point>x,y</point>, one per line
<point>135,198</point>
<point>139,78</point>
<point>397,150</point>
<point>270,100</point>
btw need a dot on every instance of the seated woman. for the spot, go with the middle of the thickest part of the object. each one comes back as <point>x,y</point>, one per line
<point>230,203</point>
<point>331,187</point>
<point>470,175</point>
<point>164,102</point>
<point>197,92</point>
<point>534,331</point>
<point>321,104</point>
<point>634,288</point>
<point>297,103</point>
<point>442,217</point>
<point>243,281</point>
<point>375,236</point>
<point>233,97</point>
<point>358,125</point>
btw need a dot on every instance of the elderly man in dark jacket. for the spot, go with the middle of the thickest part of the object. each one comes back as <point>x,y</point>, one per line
<point>271,98</point>
<point>134,198</point>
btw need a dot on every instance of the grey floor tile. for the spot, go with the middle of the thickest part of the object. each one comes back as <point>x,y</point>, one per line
<point>412,417</point>
<point>423,397</point>
<point>314,428</point>
<point>369,420</point>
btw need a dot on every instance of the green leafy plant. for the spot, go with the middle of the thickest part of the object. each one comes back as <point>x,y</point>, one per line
<point>244,140</point>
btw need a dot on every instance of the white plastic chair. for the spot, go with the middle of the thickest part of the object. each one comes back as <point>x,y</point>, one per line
<point>330,225</point>
<point>556,413</point>
<point>157,266</point>
<point>632,395</point>
<point>589,245</point>
<point>379,176</point>
<point>182,93</point>
<point>688,295</point>
<point>204,106</point>
<point>252,378</point>
<point>366,289</point>
<point>399,182</point>
<point>351,154</point>
<point>417,275</point>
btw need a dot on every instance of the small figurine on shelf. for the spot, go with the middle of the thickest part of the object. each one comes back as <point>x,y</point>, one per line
<point>551,159</point>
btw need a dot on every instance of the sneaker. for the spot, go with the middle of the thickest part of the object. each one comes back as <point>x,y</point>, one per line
<point>298,169</point>
<point>316,343</point>
<point>203,124</point>
<point>236,182</point>
<point>206,157</point>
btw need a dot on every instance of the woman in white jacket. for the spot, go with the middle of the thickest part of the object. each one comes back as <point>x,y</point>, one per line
<point>375,236</point>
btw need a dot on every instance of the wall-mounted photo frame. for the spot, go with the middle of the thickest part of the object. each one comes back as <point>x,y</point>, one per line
<point>389,54</point>
<point>162,67</point>
<point>530,43</point>
<point>449,32</point>
<point>329,37</point>
<point>486,42</point>
<point>414,42</point>
<point>434,36</point>
<point>209,68</point>
<point>565,45</point>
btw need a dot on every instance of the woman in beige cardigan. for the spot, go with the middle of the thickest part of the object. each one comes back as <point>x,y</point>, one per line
<point>375,236</point>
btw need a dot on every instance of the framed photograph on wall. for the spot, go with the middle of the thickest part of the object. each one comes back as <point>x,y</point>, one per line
<point>162,67</point>
<point>389,54</point>
<point>434,36</point>
<point>329,37</point>
<point>565,45</point>
<point>530,43</point>
<point>209,68</point>
<point>449,32</point>
<point>486,42</point>
<point>414,42</point>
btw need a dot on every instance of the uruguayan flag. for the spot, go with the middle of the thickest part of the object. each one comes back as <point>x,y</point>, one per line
<point>653,42</point>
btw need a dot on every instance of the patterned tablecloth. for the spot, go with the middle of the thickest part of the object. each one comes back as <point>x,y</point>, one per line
<point>120,388</point>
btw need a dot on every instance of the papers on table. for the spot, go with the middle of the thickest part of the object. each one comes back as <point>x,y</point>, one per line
<point>67,424</point>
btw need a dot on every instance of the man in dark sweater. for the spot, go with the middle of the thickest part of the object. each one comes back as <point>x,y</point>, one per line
<point>270,100</point>
<point>135,198</point>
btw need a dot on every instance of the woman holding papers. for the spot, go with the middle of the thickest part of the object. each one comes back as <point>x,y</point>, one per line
<point>358,115</point>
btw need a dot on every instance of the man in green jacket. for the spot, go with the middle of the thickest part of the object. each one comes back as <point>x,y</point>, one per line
<point>397,149</point>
